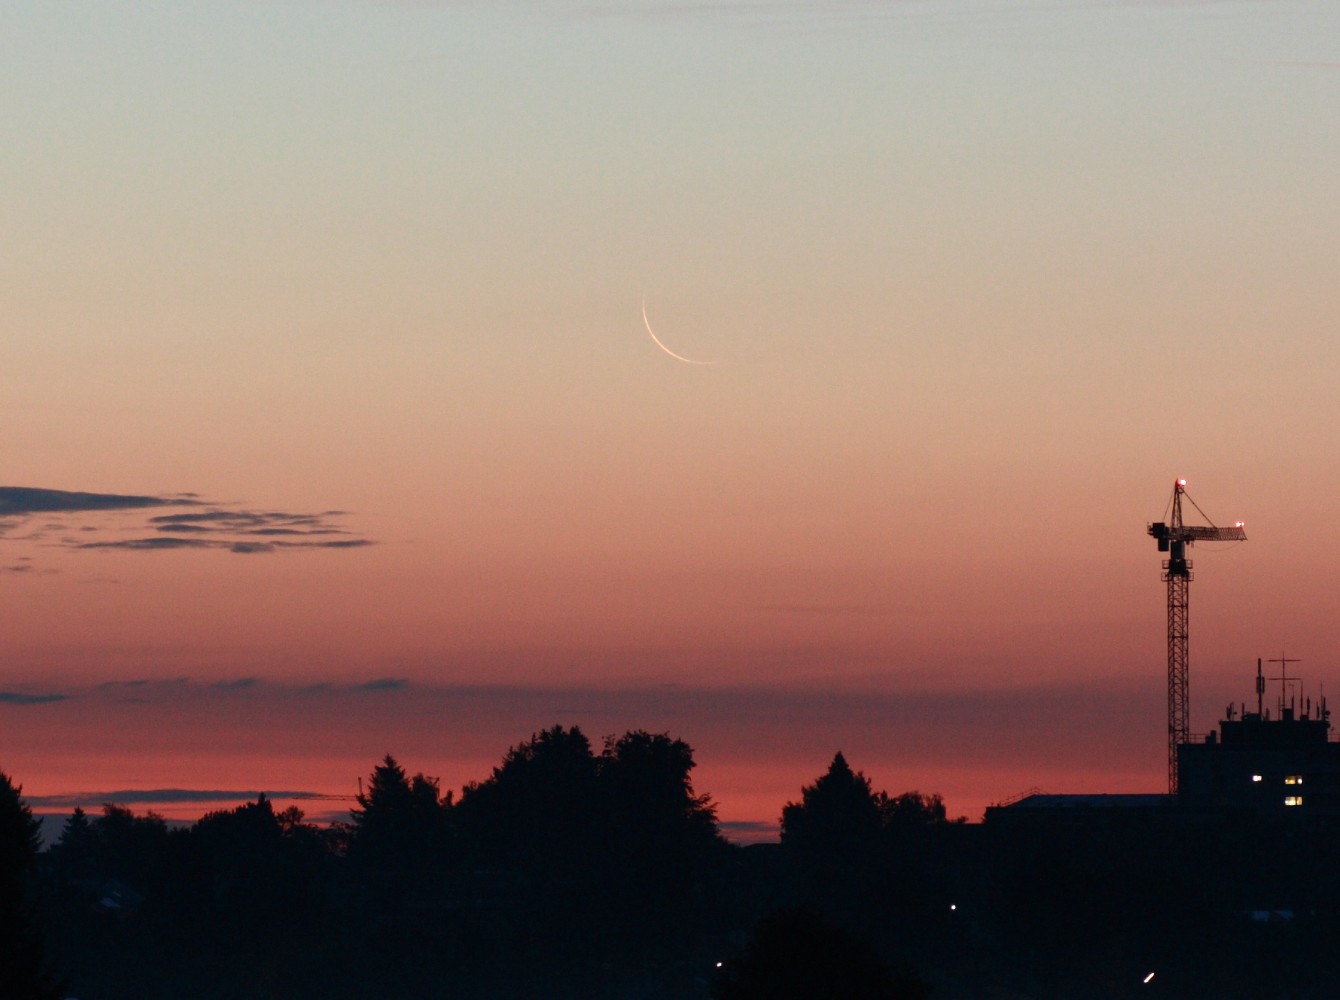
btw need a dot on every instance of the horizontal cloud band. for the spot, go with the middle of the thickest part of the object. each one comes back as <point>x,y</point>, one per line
<point>208,525</point>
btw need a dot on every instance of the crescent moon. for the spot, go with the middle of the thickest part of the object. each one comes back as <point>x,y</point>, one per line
<point>678,357</point>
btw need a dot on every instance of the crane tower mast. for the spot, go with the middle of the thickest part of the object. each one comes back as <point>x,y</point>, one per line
<point>1174,536</point>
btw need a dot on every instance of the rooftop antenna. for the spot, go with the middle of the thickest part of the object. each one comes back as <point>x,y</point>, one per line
<point>1284,679</point>
<point>1174,537</point>
<point>1260,690</point>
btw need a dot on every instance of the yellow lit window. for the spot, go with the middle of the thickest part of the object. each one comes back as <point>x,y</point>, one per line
<point>1293,800</point>
<point>1256,777</point>
<point>1293,779</point>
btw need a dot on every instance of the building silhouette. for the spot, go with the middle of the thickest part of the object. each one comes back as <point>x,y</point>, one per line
<point>1280,763</point>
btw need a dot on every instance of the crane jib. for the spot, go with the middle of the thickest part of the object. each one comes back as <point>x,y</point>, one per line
<point>1198,534</point>
<point>1195,533</point>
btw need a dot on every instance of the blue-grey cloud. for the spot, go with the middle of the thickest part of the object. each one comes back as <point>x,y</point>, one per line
<point>384,684</point>
<point>249,522</point>
<point>915,723</point>
<point>204,525</point>
<point>170,690</point>
<point>21,698</point>
<point>148,544</point>
<point>241,684</point>
<point>17,500</point>
<point>241,547</point>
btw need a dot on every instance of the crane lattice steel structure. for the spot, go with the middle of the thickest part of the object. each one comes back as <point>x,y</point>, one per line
<point>1174,537</point>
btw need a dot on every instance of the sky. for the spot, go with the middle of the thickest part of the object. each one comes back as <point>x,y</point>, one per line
<point>338,317</point>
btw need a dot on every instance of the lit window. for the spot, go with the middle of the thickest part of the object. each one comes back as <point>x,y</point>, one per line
<point>1293,800</point>
<point>1256,777</point>
<point>1293,779</point>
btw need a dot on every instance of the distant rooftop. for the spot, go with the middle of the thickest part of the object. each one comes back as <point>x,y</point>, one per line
<point>1042,800</point>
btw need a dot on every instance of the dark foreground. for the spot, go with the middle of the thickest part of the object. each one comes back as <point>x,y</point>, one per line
<point>584,874</point>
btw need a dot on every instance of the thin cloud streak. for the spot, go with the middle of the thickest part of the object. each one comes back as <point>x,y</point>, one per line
<point>20,698</point>
<point>240,547</point>
<point>1019,726</point>
<point>170,796</point>
<point>384,684</point>
<point>22,500</point>
<point>755,745</point>
<point>219,527</point>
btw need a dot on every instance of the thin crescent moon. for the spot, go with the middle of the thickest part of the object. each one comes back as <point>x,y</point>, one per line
<point>678,357</point>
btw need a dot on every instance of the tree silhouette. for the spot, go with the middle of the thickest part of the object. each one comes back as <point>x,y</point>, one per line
<point>129,847</point>
<point>244,849</point>
<point>398,837</point>
<point>910,811</point>
<point>25,973</point>
<point>76,852</point>
<point>661,846</point>
<point>537,812</point>
<point>644,779</point>
<point>794,955</point>
<point>386,801</point>
<point>837,819</point>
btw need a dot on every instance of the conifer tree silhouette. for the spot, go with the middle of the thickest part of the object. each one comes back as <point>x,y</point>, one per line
<point>836,819</point>
<point>25,972</point>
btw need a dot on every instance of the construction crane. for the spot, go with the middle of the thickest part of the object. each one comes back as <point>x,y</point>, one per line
<point>1174,537</point>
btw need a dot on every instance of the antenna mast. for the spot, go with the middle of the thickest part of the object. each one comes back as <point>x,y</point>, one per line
<point>1174,536</point>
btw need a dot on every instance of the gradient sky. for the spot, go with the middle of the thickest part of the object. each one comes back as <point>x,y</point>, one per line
<point>982,279</point>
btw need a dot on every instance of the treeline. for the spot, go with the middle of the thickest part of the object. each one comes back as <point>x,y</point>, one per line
<point>570,871</point>
<point>576,872</point>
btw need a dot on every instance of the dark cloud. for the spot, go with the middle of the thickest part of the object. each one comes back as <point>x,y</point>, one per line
<point>248,522</point>
<point>384,684</point>
<point>148,544</point>
<point>196,518</point>
<point>146,692</point>
<point>243,547</point>
<point>914,724</point>
<point>19,698</point>
<point>29,500</point>
<point>247,548</point>
<point>221,527</point>
<point>241,684</point>
<point>177,688</point>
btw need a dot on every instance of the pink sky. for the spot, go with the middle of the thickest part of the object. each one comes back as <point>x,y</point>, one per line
<point>982,282</point>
